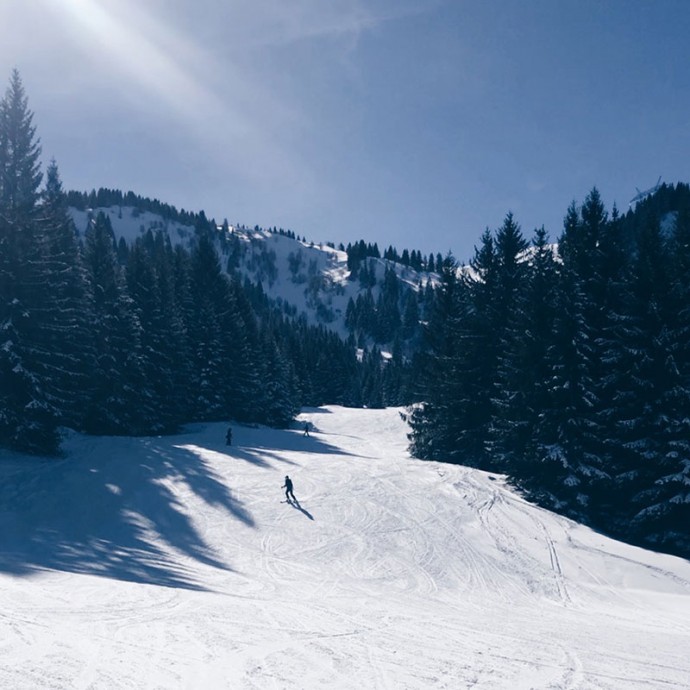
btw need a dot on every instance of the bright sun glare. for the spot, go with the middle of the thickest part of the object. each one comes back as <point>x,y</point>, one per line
<point>140,47</point>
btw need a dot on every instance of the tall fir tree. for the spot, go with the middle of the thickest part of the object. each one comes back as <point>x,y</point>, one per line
<point>438,419</point>
<point>28,421</point>
<point>20,152</point>
<point>521,393</point>
<point>211,354</point>
<point>649,474</point>
<point>571,441</point>
<point>61,315</point>
<point>119,375</point>
<point>157,396</point>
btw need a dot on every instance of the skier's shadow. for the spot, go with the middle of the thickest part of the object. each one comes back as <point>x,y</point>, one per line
<point>295,504</point>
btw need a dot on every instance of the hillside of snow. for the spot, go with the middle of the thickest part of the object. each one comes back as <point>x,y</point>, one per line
<point>310,278</point>
<point>174,562</point>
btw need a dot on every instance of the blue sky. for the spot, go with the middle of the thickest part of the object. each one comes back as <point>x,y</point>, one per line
<point>417,123</point>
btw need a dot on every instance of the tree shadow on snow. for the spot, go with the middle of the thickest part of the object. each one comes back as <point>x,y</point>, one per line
<point>121,515</point>
<point>271,444</point>
<point>315,410</point>
<point>260,445</point>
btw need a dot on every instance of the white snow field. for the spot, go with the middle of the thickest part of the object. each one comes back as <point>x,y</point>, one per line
<point>171,562</point>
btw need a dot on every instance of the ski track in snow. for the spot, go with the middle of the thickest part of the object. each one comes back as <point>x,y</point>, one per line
<point>174,562</point>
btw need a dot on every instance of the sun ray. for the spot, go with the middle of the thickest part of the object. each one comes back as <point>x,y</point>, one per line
<point>135,47</point>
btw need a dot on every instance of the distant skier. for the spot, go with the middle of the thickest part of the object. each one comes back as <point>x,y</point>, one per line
<point>288,489</point>
<point>228,437</point>
<point>306,428</point>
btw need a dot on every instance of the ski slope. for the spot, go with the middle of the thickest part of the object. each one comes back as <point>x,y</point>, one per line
<point>171,562</point>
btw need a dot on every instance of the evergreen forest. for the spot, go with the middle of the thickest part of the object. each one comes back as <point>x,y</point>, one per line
<point>108,338</point>
<point>567,367</point>
<point>564,365</point>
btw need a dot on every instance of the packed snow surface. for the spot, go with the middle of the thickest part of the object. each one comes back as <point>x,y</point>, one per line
<point>173,562</point>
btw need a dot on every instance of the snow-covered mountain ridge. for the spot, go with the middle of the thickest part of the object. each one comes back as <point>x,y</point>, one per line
<point>305,278</point>
<point>172,562</point>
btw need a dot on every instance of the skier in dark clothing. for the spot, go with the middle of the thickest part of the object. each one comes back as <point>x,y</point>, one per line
<point>228,437</point>
<point>288,489</point>
<point>306,428</point>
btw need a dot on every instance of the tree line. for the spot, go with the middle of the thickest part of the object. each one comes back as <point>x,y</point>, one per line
<point>361,250</point>
<point>567,367</point>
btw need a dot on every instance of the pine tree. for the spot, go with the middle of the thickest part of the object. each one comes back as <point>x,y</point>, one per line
<point>157,397</point>
<point>478,333</point>
<point>212,300</point>
<point>279,385</point>
<point>174,295</point>
<point>247,391</point>
<point>20,151</point>
<point>668,508</point>
<point>652,466</point>
<point>498,298</point>
<point>372,379</point>
<point>119,375</point>
<point>571,431</point>
<point>411,317</point>
<point>28,421</point>
<point>522,386</point>
<point>59,342</point>
<point>437,421</point>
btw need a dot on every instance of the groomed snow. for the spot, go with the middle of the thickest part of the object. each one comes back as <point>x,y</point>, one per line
<point>171,562</point>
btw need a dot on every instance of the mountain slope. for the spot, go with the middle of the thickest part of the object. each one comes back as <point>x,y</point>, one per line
<point>172,562</point>
<point>308,279</point>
